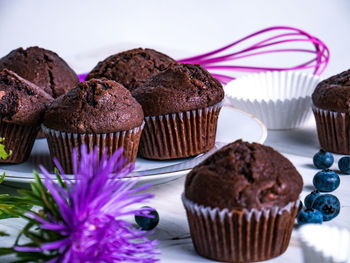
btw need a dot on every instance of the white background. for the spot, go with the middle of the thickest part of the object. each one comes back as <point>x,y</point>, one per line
<point>83,32</point>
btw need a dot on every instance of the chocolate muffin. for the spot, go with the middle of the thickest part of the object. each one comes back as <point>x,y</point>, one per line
<point>181,105</point>
<point>131,68</point>
<point>41,67</point>
<point>247,194</point>
<point>22,106</point>
<point>331,108</point>
<point>99,113</point>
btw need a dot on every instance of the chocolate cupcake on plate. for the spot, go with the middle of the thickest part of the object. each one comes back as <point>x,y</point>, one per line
<point>22,106</point>
<point>132,67</point>
<point>331,108</point>
<point>97,112</point>
<point>181,105</point>
<point>241,203</point>
<point>42,67</point>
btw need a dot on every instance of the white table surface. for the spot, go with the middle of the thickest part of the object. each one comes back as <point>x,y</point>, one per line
<point>298,145</point>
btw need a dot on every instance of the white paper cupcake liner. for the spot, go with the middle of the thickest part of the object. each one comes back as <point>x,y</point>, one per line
<point>61,144</point>
<point>181,134</point>
<point>281,100</point>
<point>324,244</point>
<point>18,139</point>
<point>333,130</point>
<point>240,235</point>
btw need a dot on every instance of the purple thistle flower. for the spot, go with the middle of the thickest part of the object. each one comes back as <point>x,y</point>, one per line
<point>92,207</point>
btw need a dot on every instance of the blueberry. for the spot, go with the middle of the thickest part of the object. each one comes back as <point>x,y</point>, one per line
<point>328,205</point>
<point>310,198</point>
<point>344,164</point>
<point>148,223</point>
<point>323,159</point>
<point>309,216</point>
<point>326,181</point>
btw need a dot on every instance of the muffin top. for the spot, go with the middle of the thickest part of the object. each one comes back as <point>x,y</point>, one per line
<point>180,87</point>
<point>21,102</point>
<point>131,68</point>
<point>41,67</point>
<point>244,175</point>
<point>94,106</point>
<point>333,93</point>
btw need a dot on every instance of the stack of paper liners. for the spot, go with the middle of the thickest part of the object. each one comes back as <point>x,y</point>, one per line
<point>325,244</point>
<point>281,100</point>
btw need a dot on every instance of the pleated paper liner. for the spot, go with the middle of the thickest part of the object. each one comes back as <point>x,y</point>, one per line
<point>324,244</point>
<point>281,100</point>
<point>240,235</point>
<point>333,130</point>
<point>61,144</point>
<point>19,139</point>
<point>179,135</point>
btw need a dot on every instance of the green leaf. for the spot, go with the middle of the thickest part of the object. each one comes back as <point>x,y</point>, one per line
<point>14,206</point>
<point>61,182</point>
<point>3,234</point>
<point>2,177</point>
<point>26,228</point>
<point>33,257</point>
<point>6,251</point>
<point>32,198</point>
<point>3,154</point>
<point>19,206</point>
<point>48,203</point>
<point>35,189</point>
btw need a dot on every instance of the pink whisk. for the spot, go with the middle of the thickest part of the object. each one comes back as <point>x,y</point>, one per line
<point>213,61</point>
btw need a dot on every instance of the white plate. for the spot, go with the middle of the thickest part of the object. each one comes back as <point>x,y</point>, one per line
<point>233,124</point>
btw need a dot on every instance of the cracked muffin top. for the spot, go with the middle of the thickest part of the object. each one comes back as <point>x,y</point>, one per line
<point>21,102</point>
<point>333,93</point>
<point>94,106</point>
<point>179,88</point>
<point>244,175</point>
<point>132,67</point>
<point>42,67</point>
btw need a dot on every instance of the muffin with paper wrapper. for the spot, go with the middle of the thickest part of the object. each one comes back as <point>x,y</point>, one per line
<point>241,203</point>
<point>97,112</point>
<point>331,108</point>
